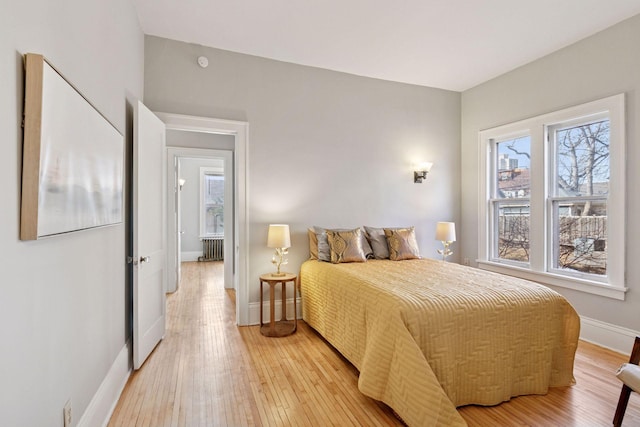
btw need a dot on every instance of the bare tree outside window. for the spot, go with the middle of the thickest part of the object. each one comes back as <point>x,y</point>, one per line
<point>214,204</point>
<point>513,233</point>
<point>581,190</point>
<point>511,203</point>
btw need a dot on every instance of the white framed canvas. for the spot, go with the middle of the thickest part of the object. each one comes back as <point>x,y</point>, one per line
<point>73,158</point>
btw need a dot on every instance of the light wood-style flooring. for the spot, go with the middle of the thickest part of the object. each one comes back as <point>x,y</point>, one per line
<point>209,372</point>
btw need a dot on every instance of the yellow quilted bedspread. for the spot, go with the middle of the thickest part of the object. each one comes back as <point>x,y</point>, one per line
<point>428,336</point>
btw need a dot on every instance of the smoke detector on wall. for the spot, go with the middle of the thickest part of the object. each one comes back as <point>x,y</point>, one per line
<point>203,61</point>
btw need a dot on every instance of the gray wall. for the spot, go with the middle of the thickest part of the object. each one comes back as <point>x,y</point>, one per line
<point>602,65</point>
<point>325,148</point>
<point>64,304</point>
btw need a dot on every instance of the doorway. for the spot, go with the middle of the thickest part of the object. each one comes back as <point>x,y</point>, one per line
<point>190,127</point>
<point>200,206</point>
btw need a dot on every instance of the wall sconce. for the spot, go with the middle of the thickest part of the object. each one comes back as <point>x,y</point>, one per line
<point>446,233</point>
<point>279,238</point>
<point>181,183</point>
<point>421,173</point>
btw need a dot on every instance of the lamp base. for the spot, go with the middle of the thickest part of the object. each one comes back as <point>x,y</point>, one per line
<point>445,252</point>
<point>278,274</point>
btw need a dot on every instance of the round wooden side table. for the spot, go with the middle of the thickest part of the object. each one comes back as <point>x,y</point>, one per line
<point>282,327</point>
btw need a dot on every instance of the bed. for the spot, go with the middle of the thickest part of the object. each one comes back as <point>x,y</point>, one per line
<point>428,336</point>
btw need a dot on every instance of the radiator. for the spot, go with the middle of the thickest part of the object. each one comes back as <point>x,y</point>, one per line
<point>212,249</point>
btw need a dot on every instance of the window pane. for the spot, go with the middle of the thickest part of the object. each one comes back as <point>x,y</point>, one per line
<point>512,232</point>
<point>214,204</point>
<point>512,174</point>
<point>580,242</point>
<point>214,189</point>
<point>582,160</point>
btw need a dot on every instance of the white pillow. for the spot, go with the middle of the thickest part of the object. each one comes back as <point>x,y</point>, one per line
<point>629,374</point>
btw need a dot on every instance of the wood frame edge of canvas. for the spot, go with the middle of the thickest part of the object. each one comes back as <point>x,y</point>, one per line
<point>34,66</point>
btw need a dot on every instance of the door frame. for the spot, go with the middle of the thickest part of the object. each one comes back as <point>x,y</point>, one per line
<point>240,131</point>
<point>174,155</point>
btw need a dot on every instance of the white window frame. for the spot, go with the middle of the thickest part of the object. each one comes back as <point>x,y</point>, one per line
<point>540,233</point>
<point>495,201</point>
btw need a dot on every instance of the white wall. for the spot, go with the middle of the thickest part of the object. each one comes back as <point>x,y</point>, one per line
<point>605,64</point>
<point>64,300</point>
<point>187,139</point>
<point>325,148</point>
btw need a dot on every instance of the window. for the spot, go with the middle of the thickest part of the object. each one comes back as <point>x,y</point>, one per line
<point>552,198</point>
<point>510,201</point>
<point>211,202</point>
<point>578,196</point>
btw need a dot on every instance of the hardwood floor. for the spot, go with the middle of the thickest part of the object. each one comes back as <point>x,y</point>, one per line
<point>208,372</point>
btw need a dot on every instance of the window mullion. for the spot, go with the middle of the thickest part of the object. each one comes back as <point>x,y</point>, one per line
<point>537,239</point>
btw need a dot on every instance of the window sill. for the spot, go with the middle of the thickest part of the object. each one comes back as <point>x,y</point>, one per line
<point>588,286</point>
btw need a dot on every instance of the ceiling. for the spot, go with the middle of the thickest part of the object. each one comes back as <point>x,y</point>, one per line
<point>448,44</point>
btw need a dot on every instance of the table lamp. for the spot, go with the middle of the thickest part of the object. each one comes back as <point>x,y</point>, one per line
<point>446,233</point>
<point>279,238</point>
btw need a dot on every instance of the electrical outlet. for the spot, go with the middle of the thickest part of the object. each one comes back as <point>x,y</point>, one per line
<point>465,261</point>
<point>67,413</point>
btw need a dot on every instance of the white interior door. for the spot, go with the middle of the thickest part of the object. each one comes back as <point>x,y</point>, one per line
<point>149,225</point>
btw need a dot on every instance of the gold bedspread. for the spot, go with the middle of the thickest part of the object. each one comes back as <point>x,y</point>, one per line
<point>429,336</point>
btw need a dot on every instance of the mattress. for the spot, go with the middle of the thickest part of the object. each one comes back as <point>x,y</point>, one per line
<point>429,336</point>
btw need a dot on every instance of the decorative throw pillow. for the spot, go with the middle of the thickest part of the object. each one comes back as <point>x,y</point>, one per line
<point>378,242</point>
<point>402,243</point>
<point>346,246</point>
<point>313,243</point>
<point>324,252</point>
<point>322,244</point>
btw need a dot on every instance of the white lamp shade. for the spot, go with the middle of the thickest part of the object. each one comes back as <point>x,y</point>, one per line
<point>425,166</point>
<point>446,231</point>
<point>278,236</point>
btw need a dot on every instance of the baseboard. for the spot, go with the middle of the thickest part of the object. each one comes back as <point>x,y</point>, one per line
<point>254,310</point>
<point>104,401</point>
<point>190,256</point>
<point>606,335</point>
